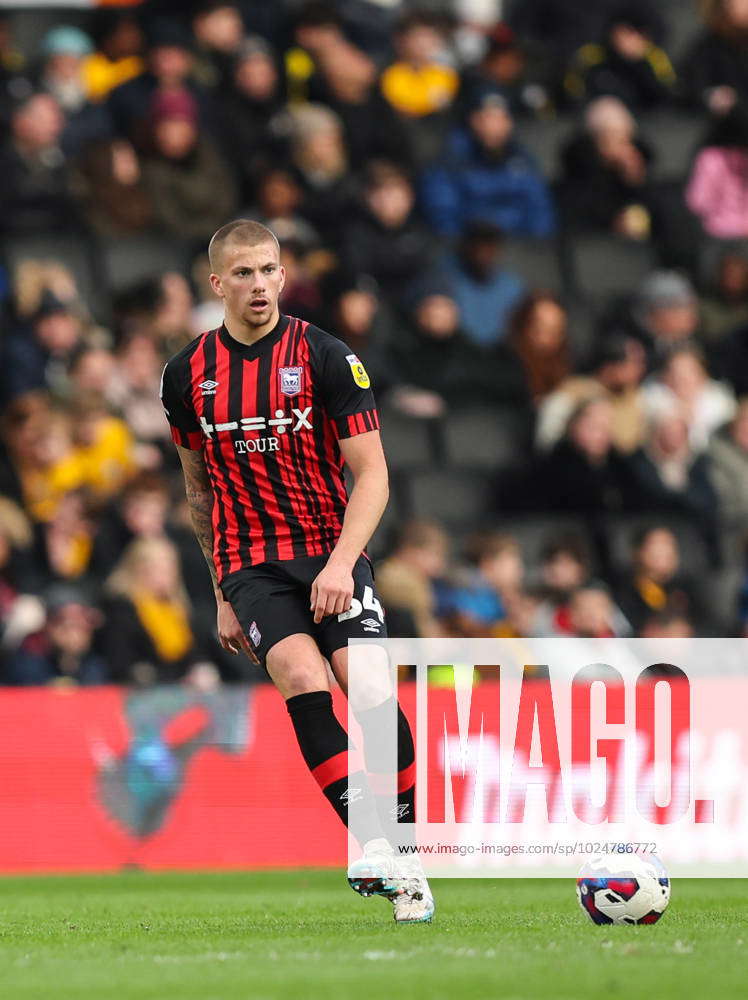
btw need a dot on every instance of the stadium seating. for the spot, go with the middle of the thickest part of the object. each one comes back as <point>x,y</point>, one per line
<point>485,438</point>
<point>603,266</point>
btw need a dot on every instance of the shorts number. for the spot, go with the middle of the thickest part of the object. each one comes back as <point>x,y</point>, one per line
<point>369,603</point>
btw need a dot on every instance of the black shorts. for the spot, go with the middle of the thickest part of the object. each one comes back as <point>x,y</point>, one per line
<point>271,601</point>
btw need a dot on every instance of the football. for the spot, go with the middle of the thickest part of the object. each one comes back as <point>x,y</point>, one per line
<point>623,889</point>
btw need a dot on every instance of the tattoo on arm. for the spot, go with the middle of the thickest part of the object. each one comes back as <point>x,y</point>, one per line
<point>200,502</point>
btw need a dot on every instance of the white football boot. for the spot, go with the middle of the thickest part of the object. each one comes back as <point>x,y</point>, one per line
<point>414,903</point>
<point>401,880</point>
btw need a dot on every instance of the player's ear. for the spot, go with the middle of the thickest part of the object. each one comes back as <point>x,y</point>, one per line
<point>282,270</point>
<point>215,284</point>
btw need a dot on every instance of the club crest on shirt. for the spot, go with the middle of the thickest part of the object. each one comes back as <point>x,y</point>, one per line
<point>291,380</point>
<point>359,372</point>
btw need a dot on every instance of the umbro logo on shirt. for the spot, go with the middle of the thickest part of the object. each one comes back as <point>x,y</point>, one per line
<point>208,387</point>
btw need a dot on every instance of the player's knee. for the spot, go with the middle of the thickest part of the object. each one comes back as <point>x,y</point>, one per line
<point>297,667</point>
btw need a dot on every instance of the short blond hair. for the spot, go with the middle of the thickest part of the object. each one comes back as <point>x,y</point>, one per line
<point>244,232</point>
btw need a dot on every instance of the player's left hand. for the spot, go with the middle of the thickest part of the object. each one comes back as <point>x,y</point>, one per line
<point>332,590</point>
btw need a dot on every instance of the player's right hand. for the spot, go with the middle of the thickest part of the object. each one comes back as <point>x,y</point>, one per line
<point>230,633</point>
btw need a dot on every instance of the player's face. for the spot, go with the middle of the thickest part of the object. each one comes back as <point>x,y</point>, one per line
<point>250,282</point>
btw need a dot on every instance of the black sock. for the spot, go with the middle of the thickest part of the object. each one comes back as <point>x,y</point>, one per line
<point>373,721</point>
<point>325,746</point>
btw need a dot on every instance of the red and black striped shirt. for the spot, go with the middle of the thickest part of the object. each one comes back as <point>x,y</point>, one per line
<point>268,417</point>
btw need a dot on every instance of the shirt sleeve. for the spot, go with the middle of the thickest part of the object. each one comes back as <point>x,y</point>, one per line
<point>346,390</point>
<point>185,428</point>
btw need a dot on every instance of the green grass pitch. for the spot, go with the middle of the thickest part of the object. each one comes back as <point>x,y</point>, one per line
<point>306,935</point>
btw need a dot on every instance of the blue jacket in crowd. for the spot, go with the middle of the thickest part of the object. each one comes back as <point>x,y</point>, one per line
<point>469,184</point>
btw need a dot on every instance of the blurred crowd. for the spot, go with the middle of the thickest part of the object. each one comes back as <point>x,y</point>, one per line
<point>529,218</point>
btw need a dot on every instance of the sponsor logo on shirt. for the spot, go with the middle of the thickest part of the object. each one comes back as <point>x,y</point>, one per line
<point>278,424</point>
<point>359,372</point>
<point>208,387</point>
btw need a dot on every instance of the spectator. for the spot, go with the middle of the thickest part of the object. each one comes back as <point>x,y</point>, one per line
<point>667,474</point>
<point>716,67</point>
<point>149,636</point>
<point>64,652</point>
<point>300,296</point>
<point>627,64</point>
<point>104,447</point>
<point>318,29</point>
<point>522,616</point>
<point>487,175</point>
<point>717,190</point>
<point>593,615</point>
<point>684,386</point>
<point>406,579</point>
<point>133,392</point>
<point>618,367</point>
<point>279,197</point>
<point>21,612</point>
<point>665,313</point>
<point>605,184</point>
<point>140,510</point>
<point>64,540</point>
<point>421,85</point>
<point>91,370</point>
<point>420,82</point>
<point>319,154</point>
<point>36,195</point>
<point>346,83</point>
<point>64,51</point>
<point>169,67</point>
<point>583,474</point>
<point>109,184</point>
<point>667,625</point>
<point>728,462</point>
<point>565,567</point>
<point>504,65</point>
<point>538,339</point>
<point>21,421</point>
<point>485,292</point>
<point>359,317</point>
<point>250,102</point>
<point>725,305</point>
<point>218,30</point>
<point>36,355</point>
<point>436,359</point>
<point>386,239</point>
<point>190,187</point>
<point>117,59</point>
<point>655,583</point>
<point>495,569</point>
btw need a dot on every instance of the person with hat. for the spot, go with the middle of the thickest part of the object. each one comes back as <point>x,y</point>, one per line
<point>36,354</point>
<point>665,312</point>
<point>191,188</point>
<point>486,174</point>
<point>169,67</point>
<point>62,74</point>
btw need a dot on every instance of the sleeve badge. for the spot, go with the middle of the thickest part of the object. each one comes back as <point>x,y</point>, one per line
<point>359,372</point>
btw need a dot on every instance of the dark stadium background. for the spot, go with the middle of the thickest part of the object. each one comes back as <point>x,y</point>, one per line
<point>530,221</point>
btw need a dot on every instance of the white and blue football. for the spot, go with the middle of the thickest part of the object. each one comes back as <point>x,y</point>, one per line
<point>623,889</point>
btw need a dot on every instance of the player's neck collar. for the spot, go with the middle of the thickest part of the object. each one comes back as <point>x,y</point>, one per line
<point>253,350</point>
